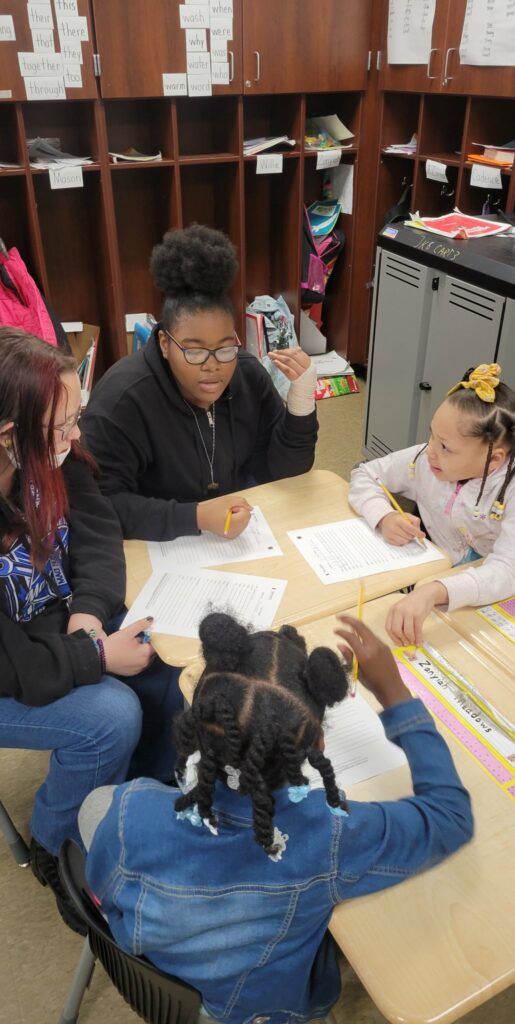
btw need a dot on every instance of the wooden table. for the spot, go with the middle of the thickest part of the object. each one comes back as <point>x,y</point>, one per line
<point>438,945</point>
<point>480,633</point>
<point>309,500</point>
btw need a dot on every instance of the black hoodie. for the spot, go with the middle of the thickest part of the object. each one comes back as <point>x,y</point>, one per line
<point>154,466</point>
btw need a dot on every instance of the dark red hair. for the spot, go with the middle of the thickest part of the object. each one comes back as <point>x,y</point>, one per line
<point>30,388</point>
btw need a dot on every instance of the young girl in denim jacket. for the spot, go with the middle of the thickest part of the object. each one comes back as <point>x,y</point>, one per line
<point>230,885</point>
<point>463,482</point>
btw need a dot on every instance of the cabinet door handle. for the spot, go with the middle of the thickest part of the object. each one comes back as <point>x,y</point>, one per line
<point>425,385</point>
<point>446,76</point>
<point>429,75</point>
<point>231,68</point>
<point>258,65</point>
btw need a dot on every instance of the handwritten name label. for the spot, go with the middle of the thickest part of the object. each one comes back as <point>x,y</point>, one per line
<point>196,40</point>
<point>269,163</point>
<point>436,171</point>
<point>328,158</point>
<point>66,177</point>
<point>485,177</point>
<point>447,252</point>
<point>175,85</point>
<point>7,33</point>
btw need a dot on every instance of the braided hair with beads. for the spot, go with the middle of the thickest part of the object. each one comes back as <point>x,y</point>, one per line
<point>258,708</point>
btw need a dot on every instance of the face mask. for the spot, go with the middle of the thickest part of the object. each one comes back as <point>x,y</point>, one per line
<point>59,457</point>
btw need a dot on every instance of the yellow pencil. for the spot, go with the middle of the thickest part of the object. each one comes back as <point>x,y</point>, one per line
<point>395,504</point>
<point>359,616</point>
<point>228,519</point>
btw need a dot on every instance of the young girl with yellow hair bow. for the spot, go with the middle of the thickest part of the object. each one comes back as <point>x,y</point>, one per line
<point>463,483</point>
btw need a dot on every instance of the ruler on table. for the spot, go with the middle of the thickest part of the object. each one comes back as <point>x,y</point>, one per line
<point>487,735</point>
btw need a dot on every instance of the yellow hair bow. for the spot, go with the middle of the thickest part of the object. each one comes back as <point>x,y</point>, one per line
<point>483,380</point>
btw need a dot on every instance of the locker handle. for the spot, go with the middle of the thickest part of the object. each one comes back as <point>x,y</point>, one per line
<point>425,385</point>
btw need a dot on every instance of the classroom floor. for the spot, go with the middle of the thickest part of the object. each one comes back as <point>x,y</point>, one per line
<point>39,953</point>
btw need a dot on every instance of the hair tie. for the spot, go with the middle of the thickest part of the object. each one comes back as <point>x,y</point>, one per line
<point>483,380</point>
<point>298,793</point>
<point>233,776</point>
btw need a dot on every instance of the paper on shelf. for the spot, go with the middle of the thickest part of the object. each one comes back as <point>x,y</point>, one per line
<point>179,600</point>
<point>257,541</point>
<point>342,186</point>
<point>356,745</point>
<point>349,549</point>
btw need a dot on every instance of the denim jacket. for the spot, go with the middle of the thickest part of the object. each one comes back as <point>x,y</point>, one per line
<point>248,931</point>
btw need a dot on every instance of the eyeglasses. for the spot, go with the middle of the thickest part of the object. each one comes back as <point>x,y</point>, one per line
<point>199,356</point>
<point>65,429</point>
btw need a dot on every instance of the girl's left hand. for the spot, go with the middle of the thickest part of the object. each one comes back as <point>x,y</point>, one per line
<point>406,618</point>
<point>293,362</point>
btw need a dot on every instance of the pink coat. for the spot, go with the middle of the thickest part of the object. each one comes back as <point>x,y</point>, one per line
<point>26,309</point>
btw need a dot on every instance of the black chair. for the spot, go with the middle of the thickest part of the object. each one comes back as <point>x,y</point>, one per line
<point>155,996</point>
<point>16,843</point>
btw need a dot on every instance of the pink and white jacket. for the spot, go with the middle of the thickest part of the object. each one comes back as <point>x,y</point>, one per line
<point>447,512</point>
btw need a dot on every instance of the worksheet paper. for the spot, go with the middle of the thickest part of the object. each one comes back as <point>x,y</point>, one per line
<point>206,549</point>
<point>356,744</point>
<point>349,549</point>
<point>410,31</point>
<point>180,600</point>
<point>489,33</point>
<point>501,616</point>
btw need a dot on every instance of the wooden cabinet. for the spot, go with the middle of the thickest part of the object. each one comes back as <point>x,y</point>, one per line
<point>147,43</point>
<point>305,46</point>
<point>79,84</point>
<point>444,71</point>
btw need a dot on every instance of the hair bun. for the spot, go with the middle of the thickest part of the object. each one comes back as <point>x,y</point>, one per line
<point>194,260</point>
<point>326,677</point>
<point>224,641</point>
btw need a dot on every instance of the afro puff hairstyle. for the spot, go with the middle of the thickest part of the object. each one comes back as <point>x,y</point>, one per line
<point>195,268</point>
<point>258,707</point>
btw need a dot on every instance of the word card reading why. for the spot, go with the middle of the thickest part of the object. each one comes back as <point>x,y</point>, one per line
<point>196,40</point>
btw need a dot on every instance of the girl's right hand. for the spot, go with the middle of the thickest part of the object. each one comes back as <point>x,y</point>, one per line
<point>399,530</point>
<point>212,516</point>
<point>124,654</point>
<point>377,668</point>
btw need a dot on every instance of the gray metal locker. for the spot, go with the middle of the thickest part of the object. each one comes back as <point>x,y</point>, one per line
<point>440,306</point>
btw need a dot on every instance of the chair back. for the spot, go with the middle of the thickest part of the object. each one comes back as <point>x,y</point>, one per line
<point>156,997</point>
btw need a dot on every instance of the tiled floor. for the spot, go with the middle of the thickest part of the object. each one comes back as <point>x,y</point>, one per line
<point>39,953</point>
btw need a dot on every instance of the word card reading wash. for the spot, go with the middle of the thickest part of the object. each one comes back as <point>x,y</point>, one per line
<point>486,734</point>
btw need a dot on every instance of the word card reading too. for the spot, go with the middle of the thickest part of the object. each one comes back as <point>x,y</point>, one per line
<point>194,15</point>
<point>66,177</point>
<point>196,40</point>
<point>485,177</point>
<point>45,88</point>
<point>72,76</point>
<point>7,33</point>
<point>436,171</point>
<point>269,163</point>
<point>175,85</point>
<point>43,40</point>
<point>221,28</point>
<point>328,158</point>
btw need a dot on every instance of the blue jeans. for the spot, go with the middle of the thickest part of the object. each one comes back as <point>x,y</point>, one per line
<point>92,733</point>
<point>99,735</point>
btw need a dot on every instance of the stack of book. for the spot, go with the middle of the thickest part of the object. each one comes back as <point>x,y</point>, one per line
<point>403,148</point>
<point>335,376</point>
<point>251,147</point>
<point>495,156</point>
